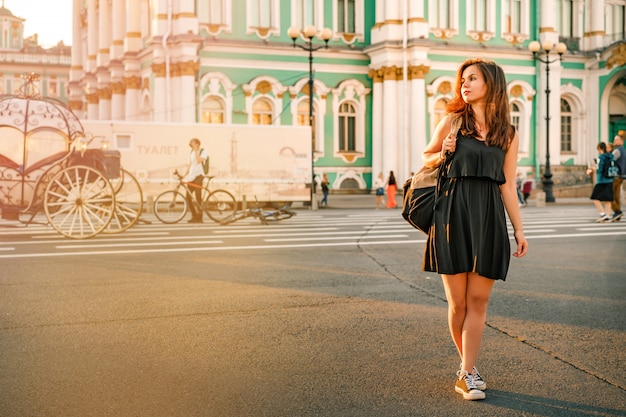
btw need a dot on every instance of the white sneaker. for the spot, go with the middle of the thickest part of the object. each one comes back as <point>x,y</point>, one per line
<point>603,218</point>
<point>478,379</point>
<point>466,386</point>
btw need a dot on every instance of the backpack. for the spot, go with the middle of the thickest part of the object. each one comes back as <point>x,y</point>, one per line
<point>610,169</point>
<point>205,163</point>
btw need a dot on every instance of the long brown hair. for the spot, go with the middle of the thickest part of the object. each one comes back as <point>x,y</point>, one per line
<point>497,118</point>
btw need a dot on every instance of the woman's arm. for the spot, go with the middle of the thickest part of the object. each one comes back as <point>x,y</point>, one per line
<point>432,152</point>
<point>509,197</point>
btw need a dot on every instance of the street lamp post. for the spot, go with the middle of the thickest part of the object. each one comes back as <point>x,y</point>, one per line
<point>309,33</point>
<point>560,49</point>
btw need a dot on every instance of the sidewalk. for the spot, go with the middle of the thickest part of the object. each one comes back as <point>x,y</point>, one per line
<point>368,201</point>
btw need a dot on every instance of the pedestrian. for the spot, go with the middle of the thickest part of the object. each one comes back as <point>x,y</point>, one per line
<point>379,186</point>
<point>518,186</point>
<point>325,184</point>
<point>527,187</point>
<point>392,188</point>
<point>619,155</point>
<point>194,178</point>
<point>468,242</point>
<point>602,193</point>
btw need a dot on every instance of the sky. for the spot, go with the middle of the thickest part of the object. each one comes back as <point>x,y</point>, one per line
<point>50,19</point>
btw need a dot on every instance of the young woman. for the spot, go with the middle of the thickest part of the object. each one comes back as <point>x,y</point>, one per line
<point>468,243</point>
<point>602,193</point>
<point>392,188</point>
<point>379,185</point>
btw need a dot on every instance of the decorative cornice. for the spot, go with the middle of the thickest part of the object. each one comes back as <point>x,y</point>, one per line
<point>118,87</point>
<point>92,98</point>
<point>594,33</point>
<point>618,57</point>
<point>76,105</point>
<point>104,93</point>
<point>188,68</point>
<point>158,69</point>
<point>132,83</point>
<point>418,72</point>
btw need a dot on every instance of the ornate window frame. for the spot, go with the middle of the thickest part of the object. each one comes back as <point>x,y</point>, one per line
<point>522,94</point>
<point>214,26</point>
<point>489,9</point>
<point>354,92</point>
<point>217,84</point>
<point>255,27</point>
<point>268,87</point>
<point>298,93</point>
<point>359,23</point>
<point>524,21</point>
<point>452,18</point>
<point>576,100</point>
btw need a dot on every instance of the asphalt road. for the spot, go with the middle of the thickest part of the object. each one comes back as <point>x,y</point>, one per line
<point>324,314</point>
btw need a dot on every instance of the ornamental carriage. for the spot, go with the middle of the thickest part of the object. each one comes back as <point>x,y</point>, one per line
<point>47,168</point>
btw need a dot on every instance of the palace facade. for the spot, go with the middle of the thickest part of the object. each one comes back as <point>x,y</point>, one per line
<point>380,86</point>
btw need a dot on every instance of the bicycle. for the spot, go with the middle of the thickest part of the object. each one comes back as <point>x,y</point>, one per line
<point>265,216</point>
<point>171,206</point>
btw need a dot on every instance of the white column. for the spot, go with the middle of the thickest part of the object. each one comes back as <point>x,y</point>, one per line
<point>159,102</point>
<point>92,36</point>
<point>132,40</point>
<point>418,133</point>
<point>76,71</point>
<point>119,29</point>
<point>595,37</point>
<point>377,126</point>
<point>104,33</point>
<point>132,98</point>
<point>132,68</point>
<point>390,121</point>
<point>188,73</point>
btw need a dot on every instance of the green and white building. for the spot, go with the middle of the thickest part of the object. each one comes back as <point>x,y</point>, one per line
<point>21,55</point>
<point>379,88</point>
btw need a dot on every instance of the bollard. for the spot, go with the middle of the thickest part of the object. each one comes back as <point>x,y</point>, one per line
<point>541,198</point>
<point>244,203</point>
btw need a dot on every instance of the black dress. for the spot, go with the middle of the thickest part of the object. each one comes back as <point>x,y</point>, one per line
<point>469,232</point>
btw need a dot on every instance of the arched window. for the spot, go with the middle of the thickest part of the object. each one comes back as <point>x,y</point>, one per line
<point>440,112</point>
<point>515,113</point>
<point>262,112</point>
<point>213,111</point>
<point>303,117</point>
<point>566,126</point>
<point>347,127</point>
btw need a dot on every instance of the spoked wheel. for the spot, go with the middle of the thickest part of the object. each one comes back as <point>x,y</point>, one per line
<point>279,215</point>
<point>219,205</point>
<point>79,202</point>
<point>128,202</point>
<point>170,207</point>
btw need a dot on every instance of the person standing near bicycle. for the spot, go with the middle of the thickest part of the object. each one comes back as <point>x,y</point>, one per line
<point>194,178</point>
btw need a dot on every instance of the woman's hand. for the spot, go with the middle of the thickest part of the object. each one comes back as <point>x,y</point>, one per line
<point>522,244</point>
<point>448,145</point>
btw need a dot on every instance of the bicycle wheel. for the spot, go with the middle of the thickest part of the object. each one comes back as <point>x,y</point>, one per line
<point>128,203</point>
<point>219,205</point>
<point>170,207</point>
<point>279,215</point>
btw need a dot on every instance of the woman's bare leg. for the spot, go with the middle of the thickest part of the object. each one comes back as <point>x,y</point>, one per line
<point>468,297</point>
<point>456,289</point>
<point>477,301</point>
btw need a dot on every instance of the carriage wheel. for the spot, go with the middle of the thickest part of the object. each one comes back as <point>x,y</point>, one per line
<point>79,202</point>
<point>128,202</point>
